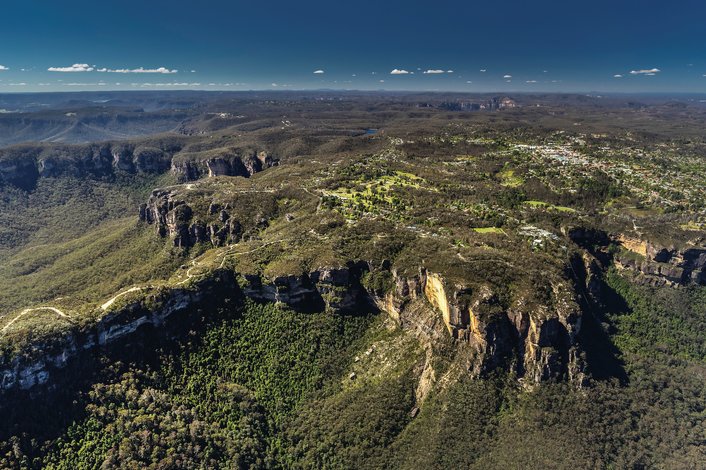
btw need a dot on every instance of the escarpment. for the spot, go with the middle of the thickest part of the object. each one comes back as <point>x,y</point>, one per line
<point>538,346</point>
<point>41,362</point>
<point>537,342</point>
<point>655,263</point>
<point>21,166</point>
<point>499,311</point>
<point>227,163</point>
<point>660,264</point>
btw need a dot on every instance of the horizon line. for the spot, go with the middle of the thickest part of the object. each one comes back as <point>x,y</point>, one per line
<point>348,90</point>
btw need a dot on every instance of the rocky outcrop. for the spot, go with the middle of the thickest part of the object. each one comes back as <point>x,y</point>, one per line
<point>534,339</point>
<point>173,218</point>
<point>662,265</point>
<point>336,289</point>
<point>655,263</point>
<point>228,164</point>
<point>538,342</point>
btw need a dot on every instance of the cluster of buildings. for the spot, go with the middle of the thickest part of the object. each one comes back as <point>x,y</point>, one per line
<point>490,104</point>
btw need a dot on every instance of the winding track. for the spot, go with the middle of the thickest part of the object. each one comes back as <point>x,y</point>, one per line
<point>106,305</point>
<point>110,302</point>
<point>28,310</point>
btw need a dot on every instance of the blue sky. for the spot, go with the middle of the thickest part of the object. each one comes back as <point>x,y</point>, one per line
<point>499,45</point>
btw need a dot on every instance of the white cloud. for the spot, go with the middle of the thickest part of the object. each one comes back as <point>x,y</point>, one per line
<point>468,81</point>
<point>139,70</point>
<point>382,81</point>
<point>530,81</point>
<point>483,70</point>
<point>449,71</point>
<point>17,84</point>
<point>319,71</point>
<point>2,67</point>
<point>85,84</point>
<point>507,76</point>
<point>433,71</point>
<point>617,75</point>
<point>399,72</point>
<point>146,85</point>
<point>645,72</point>
<point>72,68</point>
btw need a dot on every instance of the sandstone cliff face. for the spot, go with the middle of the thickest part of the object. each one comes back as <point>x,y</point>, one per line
<point>173,218</point>
<point>663,264</point>
<point>23,166</point>
<point>539,343</point>
<point>336,289</point>
<point>656,263</point>
<point>536,340</point>
<point>41,363</point>
<point>235,164</point>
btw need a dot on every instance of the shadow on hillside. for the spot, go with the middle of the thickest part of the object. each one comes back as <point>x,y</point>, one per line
<point>602,355</point>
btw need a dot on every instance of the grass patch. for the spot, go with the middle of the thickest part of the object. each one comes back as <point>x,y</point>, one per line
<point>510,179</point>
<point>488,230</point>
<point>548,206</point>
